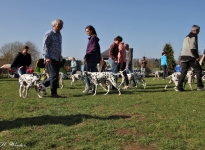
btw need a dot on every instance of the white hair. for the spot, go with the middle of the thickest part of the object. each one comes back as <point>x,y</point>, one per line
<point>56,22</point>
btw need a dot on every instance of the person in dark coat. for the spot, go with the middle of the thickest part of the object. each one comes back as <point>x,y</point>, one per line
<point>93,54</point>
<point>22,61</point>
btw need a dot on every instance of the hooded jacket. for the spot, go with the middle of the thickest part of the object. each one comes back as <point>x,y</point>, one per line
<point>190,48</point>
<point>93,54</point>
<point>121,53</point>
<point>21,60</point>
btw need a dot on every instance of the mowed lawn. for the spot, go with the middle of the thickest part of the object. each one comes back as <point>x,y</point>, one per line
<point>139,119</point>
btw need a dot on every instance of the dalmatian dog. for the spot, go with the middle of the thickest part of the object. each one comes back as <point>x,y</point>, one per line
<point>62,77</point>
<point>30,80</point>
<point>157,74</point>
<point>76,77</point>
<point>139,77</point>
<point>100,78</point>
<point>175,77</point>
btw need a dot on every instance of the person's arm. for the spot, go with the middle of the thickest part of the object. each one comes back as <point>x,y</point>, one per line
<point>194,50</point>
<point>202,59</point>
<point>111,51</point>
<point>15,61</point>
<point>128,58</point>
<point>46,42</point>
<point>92,48</point>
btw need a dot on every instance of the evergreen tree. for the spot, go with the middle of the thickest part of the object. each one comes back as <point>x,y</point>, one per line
<point>170,56</point>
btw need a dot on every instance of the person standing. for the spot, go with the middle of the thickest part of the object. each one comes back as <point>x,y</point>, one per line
<point>129,57</point>
<point>73,66</point>
<point>93,55</point>
<point>122,62</point>
<point>102,65</point>
<point>113,54</point>
<point>190,58</point>
<point>143,64</point>
<point>52,52</point>
<point>22,61</point>
<point>164,64</point>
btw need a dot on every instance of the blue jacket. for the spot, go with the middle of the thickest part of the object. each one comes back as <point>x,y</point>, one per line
<point>164,60</point>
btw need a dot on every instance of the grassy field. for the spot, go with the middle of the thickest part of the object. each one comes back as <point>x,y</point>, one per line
<point>139,119</point>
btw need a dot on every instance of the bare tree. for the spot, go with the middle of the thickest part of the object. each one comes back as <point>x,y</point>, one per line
<point>9,51</point>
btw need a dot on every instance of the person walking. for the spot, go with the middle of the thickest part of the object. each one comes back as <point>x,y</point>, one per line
<point>164,64</point>
<point>190,58</point>
<point>143,64</point>
<point>73,66</point>
<point>113,54</point>
<point>22,61</point>
<point>129,57</point>
<point>93,54</point>
<point>52,52</point>
<point>122,62</point>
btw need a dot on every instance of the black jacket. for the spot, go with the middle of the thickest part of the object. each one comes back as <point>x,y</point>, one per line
<point>21,60</point>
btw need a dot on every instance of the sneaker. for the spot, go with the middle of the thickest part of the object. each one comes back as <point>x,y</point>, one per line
<point>126,87</point>
<point>87,90</point>
<point>200,88</point>
<point>178,90</point>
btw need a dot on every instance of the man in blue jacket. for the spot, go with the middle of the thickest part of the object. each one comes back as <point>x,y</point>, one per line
<point>164,64</point>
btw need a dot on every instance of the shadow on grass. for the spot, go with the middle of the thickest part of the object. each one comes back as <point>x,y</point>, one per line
<point>47,119</point>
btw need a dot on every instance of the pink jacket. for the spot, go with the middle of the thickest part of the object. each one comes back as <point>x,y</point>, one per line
<point>121,54</point>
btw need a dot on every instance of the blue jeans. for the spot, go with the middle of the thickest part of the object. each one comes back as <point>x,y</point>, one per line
<point>164,68</point>
<point>53,72</point>
<point>113,65</point>
<point>91,67</point>
<point>73,72</point>
<point>20,71</point>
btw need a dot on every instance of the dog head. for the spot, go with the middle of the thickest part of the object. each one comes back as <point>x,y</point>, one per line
<point>40,87</point>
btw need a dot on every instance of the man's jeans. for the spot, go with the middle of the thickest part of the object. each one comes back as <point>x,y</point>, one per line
<point>113,65</point>
<point>164,68</point>
<point>91,67</point>
<point>53,72</point>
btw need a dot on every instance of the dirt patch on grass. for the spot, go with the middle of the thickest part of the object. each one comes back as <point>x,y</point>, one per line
<point>125,132</point>
<point>136,146</point>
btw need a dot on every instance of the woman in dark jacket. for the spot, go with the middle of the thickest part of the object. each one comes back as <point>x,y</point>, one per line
<point>93,55</point>
<point>22,61</point>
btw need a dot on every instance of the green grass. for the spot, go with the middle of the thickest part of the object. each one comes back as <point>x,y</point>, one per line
<point>140,118</point>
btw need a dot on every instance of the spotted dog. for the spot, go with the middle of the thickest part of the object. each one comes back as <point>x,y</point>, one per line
<point>30,80</point>
<point>157,74</point>
<point>175,77</point>
<point>62,77</point>
<point>76,77</point>
<point>100,78</point>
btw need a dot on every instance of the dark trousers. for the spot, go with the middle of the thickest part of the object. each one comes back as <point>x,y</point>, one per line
<point>53,72</point>
<point>197,69</point>
<point>164,68</point>
<point>124,73</point>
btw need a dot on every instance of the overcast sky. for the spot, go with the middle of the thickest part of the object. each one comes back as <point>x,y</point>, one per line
<point>146,25</point>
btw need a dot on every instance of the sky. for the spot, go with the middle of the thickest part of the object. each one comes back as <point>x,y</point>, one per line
<point>146,25</point>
